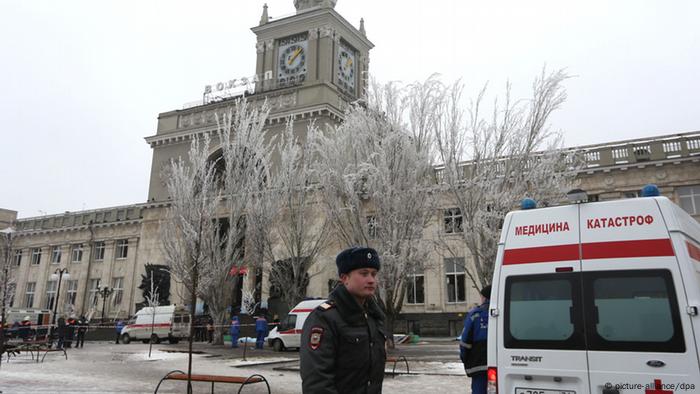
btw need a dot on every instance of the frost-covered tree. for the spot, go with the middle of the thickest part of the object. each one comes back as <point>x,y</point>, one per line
<point>191,218</point>
<point>7,280</point>
<point>491,164</point>
<point>242,171</point>
<point>375,180</point>
<point>152,300</point>
<point>298,232</point>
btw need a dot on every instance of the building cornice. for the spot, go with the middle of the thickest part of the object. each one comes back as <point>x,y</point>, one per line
<point>308,15</point>
<point>279,117</point>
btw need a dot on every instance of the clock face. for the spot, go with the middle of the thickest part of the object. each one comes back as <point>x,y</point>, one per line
<point>292,61</point>
<point>346,68</point>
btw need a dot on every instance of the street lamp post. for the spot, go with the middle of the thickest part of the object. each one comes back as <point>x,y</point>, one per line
<point>58,273</point>
<point>105,292</point>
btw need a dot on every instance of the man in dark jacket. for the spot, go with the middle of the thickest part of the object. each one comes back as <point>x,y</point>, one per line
<point>82,329</point>
<point>61,332</point>
<point>342,342</point>
<point>70,330</point>
<point>472,344</point>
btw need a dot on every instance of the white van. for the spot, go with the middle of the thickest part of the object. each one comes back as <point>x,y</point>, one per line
<point>288,333</point>
<point>170,322</point>
<point>596,298</point>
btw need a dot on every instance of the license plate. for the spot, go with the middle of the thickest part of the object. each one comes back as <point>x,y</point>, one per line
<point>542,391</point>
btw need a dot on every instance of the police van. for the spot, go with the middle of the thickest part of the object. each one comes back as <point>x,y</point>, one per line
<point>596,298</point>
<point>288,333</point>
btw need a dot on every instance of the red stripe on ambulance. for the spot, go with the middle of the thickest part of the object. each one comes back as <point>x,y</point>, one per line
<point>590,251</point>
<point>542,254</point>
<point>624,249</point>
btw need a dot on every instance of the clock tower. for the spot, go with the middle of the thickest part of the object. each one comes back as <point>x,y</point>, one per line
<point>316,53</point>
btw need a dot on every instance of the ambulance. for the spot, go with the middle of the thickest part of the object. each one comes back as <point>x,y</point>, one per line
<point>154,324</point>
<point>596,297</point>
<point>288,333</point>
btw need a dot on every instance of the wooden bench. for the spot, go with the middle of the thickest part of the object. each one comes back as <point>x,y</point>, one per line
<point>396,360</point>
<point>49,350</point>
<point>180,375</point>
<point>16,348</point>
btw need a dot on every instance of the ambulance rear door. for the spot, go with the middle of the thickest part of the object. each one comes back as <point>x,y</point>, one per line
<point>638,334</point>
<point>541,346</point>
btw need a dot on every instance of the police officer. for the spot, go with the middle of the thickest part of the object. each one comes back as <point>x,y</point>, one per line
<point>342,342</point>
<point>472,345</point>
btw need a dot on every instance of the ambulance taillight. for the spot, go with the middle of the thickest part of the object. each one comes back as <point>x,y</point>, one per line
<point>491,380</point>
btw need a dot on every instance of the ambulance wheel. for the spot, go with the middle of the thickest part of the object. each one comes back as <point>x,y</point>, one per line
<point>278,345</point>
<point>155,339</point>
<point>126,339</point>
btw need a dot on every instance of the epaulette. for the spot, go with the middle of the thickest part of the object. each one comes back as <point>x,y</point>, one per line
<point>327,305</point>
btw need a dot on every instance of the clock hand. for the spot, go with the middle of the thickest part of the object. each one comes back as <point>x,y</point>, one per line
<point>294,56</point>
<point>348,63</point>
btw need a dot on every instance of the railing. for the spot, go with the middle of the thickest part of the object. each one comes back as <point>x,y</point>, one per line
<point>81,218</point>
<point>620,153</point>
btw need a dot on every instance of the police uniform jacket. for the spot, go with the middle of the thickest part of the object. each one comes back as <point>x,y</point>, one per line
<point>472,343</point>
<point>342,347</point>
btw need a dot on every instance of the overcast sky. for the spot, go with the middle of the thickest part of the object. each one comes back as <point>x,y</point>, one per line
<point>82,82</point>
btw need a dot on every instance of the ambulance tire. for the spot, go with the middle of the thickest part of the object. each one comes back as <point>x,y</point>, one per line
<point>278,345</point>
<point>155,339</point>
<point>126,339</point>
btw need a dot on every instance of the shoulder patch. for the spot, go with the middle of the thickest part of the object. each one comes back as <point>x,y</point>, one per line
<point>315,337</point>
<point>326,305</point>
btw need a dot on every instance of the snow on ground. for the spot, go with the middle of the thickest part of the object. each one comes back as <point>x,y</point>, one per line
<point>109,368</point>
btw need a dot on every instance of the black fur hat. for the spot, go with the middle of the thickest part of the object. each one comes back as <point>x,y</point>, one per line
<point>357,257</point>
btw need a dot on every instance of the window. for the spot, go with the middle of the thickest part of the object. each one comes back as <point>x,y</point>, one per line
<point>99,248</point>
<point>332,284</point>
<point>415,290</point>
<point>36,256</point>
<point>632,194</point>
<point>77,253</point>
<point>539,311</point>
<point>122,248</point>
<point>18,257</point>
<point>94,289</point>
<point>633,311</point>
<point>624,311</point>
<point>29,295</point>
<point>372,226</point>
<point>50,293</point>
<point>453,220</point>
<point>454,273</point>
<point>118,287</point>
<point>55,254</point>
<point>288,323</point>
<point>689,199</point>
<point>72,291</point>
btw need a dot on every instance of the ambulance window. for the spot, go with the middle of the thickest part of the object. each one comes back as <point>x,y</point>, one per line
<point>633,311</point>
<point>178,319</point>
<point>540,312</point>
<point>289,322</point>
